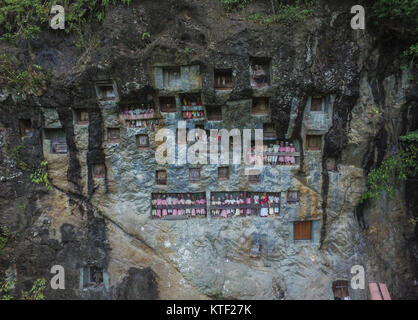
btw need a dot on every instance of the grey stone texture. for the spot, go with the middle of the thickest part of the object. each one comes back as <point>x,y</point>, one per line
<point>85,221</point>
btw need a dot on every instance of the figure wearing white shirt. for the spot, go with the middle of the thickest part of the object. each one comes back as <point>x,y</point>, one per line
<point>256,199</point>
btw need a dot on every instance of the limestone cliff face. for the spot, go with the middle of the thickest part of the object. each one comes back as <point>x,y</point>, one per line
<point>106,223</point>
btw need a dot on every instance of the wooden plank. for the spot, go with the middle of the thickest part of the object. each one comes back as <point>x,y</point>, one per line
<point>137,117</point>
<point>171,217</point>
<point>296,231</point>
<point>305,232</point>
<point>244,206</point>
<point>302,230</point>
<point>308,227</point>
<point>192,108</point>
<point>181,206</point>
<point>285,154</point>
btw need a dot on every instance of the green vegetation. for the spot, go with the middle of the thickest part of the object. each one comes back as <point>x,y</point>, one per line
<point>218,296</point>
<point>401,18</point>
<point>282,11</point>
<point>403,13</point>
<point>411,137</point>
<point>40,175</point>
<point>5,288</point>
<point>14,152</point>
<point>23,18</point>
<point>25,81</point>
<point>26,18</point>
<point>4,237</point>
<point>35,293</point>
<point>23,166</point>
<point>286,13</point>
<point>145,35</point>
<point>402,166</point>
<point>411,52</point>
<point>230,5</point>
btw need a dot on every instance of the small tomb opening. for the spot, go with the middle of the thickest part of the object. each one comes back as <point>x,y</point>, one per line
<point>106,90</point>
<point>192,106</point>
<point>26,129</point>
<point>260,106</point>
<point>254,177</point>
<point>139,115</point>
<point>223,79</point>
<point>113,135</point>
<point>269,131</point>
<point>142,141</point>
<point>223,173</point>
<point>95,276</point>
<point>178,205</point>
<point>317,104</point>
<point>293,197</point>
<point>172,77</point>
<point>82,116</point>
<point>59,146</point>
<point>56,139</point>
<point>168,104</point>
<point>214,113</point>
<point>313,142</point>
<point>194,175</point>
<point>259,72</point>
<point>302,230</point>
<point>161,177</point>
<point>331,164</point>
<point>227,204</point>
<point>99,171</point>
<point>280,153</point>
<point>340,290</point>
<point>92,277</point>
<point>263,204</point>
<point>244,203</point>
<point>255,251</point>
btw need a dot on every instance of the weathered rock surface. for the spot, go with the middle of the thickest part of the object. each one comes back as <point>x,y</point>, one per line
<point>107,223</point>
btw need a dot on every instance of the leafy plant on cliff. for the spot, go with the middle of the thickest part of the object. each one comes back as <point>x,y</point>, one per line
<point>218,296</point>
<point>401,18</point>
<point>402,166</point>
<point>22,18</point>
<point>411,137</point>
<point>145,35</point>
<point>230,5</point>
<point>4,237</point>
<point>5,288</point>
<point>26,18</point>
<point>35,293</point>
<point>286,13</point>
<point>29,80</point>
<point>400,15</point>
<point>412,51</point>
<point>40,175</point>
<point>14,152</point>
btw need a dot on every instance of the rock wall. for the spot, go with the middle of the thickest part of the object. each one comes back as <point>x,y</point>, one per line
<point>106,223</point>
